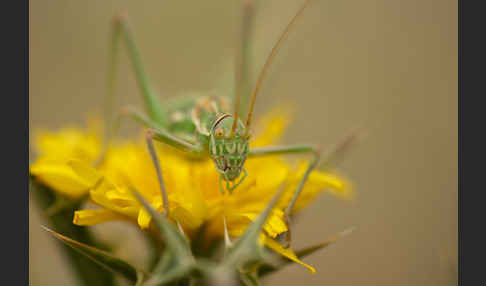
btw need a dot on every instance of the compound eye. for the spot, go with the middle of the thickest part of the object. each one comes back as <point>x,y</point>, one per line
<point>219,133</point>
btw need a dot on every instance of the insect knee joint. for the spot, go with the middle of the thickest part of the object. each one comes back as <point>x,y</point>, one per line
<point>149,134</point>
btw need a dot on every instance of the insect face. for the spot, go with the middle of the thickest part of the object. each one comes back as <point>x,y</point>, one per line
<point>228,152</point>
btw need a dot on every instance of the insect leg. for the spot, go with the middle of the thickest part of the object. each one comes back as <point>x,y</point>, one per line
<point>280,150</point>
<point>162,135</point>
<point>150,135</point>
<point>235,185</point>
<point>111,130</point>
<point>155,159</point>
<point>121,32</point>
<point>330,160</point>
<point>220,180</point>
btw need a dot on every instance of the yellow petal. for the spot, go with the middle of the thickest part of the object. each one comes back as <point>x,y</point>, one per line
<point>115,196</point>
<point>91,217</point>
<point>271,176</point>
<point>274,125</point>
<point>338,186</point>
<point>127,206</point>
<point>287,252</point>
<point>55,150</point>
<point>144,218</point>
<point>186,218</point>
<point>275,224</point>
<point>68,142</point>
<point>61,178</point>
<point>317,183</point>
<point>84,170</point>
<point>191,202</point>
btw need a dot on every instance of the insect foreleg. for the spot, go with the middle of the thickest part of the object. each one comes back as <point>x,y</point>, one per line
<point>162,135</point>
<point>280,150</point>
<point>330,160</point>
<point>229,187</point>
<point>221,187</point>
<point>155,159</point>
<point>235,185</point>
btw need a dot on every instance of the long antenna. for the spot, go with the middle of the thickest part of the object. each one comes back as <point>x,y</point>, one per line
<point>241,72</point>
<point>274,51</point>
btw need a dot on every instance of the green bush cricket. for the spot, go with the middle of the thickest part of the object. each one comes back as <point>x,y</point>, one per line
<point>205,125</point>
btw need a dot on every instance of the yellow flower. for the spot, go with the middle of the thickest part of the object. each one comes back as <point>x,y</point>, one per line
<point>193,188</point>
<point>55,149</point>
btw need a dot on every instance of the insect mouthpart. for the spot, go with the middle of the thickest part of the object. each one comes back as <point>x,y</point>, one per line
<point>229,166</point>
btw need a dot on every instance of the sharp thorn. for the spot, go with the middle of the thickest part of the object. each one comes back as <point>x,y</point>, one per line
<point>227,239</point>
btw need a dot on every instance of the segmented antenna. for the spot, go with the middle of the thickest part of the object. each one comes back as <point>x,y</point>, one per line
<point>241,72</point>
<point>272,55</point>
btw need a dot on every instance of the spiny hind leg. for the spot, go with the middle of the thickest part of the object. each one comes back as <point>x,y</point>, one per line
<point>121,33</point>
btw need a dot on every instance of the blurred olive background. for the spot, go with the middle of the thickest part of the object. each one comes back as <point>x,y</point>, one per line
<point>387,65</point>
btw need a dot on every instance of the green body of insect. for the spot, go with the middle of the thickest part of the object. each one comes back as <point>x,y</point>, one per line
<point>206,122</point>
<point>205,125</point>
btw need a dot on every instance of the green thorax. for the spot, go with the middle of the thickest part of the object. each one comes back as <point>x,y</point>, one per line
<point>191,117</point>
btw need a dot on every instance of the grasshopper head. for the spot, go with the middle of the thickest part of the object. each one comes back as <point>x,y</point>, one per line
<point>228,150</point>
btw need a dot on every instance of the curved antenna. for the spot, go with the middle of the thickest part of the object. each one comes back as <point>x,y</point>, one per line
<point>274,51</point>
<point>241,65</point>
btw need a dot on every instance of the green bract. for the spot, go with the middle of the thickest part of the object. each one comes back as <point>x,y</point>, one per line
<point>242,262</point>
